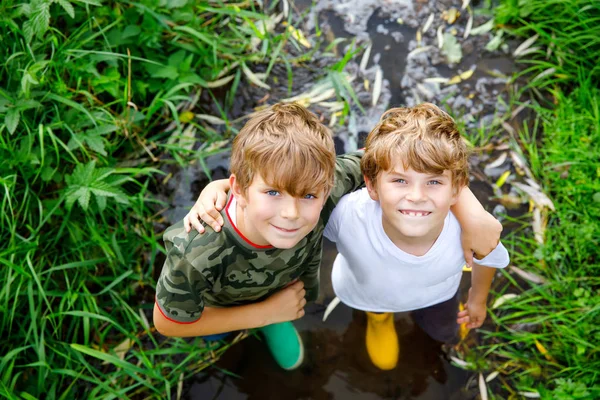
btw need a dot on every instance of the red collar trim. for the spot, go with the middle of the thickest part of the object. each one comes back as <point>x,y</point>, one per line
<point>240,233</point>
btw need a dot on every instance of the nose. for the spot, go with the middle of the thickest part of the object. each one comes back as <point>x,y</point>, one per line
<point>416,194</point>
<point>289,209</point>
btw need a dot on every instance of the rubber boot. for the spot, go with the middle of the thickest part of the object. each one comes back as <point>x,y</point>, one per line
<point>285,344</point>
<point>382,340</point>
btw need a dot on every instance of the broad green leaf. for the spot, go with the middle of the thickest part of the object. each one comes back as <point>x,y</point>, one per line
<point>12,119</point>
<point>67,6</point>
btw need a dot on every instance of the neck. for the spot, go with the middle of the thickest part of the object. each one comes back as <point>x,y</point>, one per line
<point>415,245</point>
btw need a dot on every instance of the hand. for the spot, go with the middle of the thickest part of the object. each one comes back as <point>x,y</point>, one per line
<point>474,313</point>
<point>480,237</point>
<point>207,207</point>
<point>287,304</point>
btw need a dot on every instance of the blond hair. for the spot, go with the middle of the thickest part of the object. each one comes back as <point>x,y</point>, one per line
<point>424,138</point>
<point>289,147</point>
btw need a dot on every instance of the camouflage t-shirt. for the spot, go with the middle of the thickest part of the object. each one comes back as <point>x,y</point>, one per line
<point>224,269</point>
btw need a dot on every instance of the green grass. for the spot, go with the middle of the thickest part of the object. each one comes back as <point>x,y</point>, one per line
<point>546,339</point>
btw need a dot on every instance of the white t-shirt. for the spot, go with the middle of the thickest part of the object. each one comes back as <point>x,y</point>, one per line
<point>371,273</point>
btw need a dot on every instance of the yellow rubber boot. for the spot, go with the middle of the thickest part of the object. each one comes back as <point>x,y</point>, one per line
<point>382,340</point>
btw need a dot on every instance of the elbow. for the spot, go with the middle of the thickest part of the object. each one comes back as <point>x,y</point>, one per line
<point>160,323</point>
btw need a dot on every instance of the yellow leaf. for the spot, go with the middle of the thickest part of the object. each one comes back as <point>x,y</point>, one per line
<point>186,117</point>
<point>466,268</point>
<point>543,350</point>
<point>502,179</point>
<point>299,36</point>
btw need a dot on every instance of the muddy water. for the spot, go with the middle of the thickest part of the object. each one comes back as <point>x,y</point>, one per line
<point>336,363</point>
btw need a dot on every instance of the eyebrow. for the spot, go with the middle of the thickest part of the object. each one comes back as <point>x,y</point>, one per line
<point>392,172</point>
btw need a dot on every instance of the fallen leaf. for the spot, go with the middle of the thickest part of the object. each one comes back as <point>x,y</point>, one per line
<point>492,376</point>
<point>334,303</point>
<point>210,118</point>
<point>468,27</point>
<point>428,23</point>
<point>365,58</point>
<point>220,82</point>
<point>529,276</point>
<point>538,197</point>
<point>465,4</point>
<point>502,180</point>
<point>498,161</point>
<point>440,37</point>
<point>496,41</point>
<point>525,45</point>
<point>485,28</point>
<point>482,388</point>
<point>436,80</point>
<point>544,73</point>
<point>417,51</point>
<point>452,15</point>
<point>544,351</point>
<point>530,395</point>
<point>503,299</point>
<point>253,78</point>
<point>459,362</point>
<point>451,49</point>
<point>377,86</point>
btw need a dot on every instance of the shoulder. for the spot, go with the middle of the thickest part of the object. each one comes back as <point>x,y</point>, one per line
<point>192,245</point>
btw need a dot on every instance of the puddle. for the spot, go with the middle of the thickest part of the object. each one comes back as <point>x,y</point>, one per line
<point>336,365</point>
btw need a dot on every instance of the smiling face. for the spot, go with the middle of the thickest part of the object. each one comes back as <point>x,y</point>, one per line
<point>267,216</point>
<point>414,204</point>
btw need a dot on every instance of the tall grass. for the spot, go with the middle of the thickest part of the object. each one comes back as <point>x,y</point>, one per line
<point>87,90</point>
<point>546,344</point>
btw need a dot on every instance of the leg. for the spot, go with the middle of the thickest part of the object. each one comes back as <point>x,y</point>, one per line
<point>439,320</point>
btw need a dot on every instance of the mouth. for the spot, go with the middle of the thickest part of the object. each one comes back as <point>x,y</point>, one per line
<point>284,230</point>
<point>415,213</point>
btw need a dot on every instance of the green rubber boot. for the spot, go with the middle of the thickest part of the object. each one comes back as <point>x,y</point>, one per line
<point>285,344</point>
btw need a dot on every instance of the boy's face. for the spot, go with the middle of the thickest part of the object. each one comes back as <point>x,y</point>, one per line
<point>272,217</point>
<point>414,204</point>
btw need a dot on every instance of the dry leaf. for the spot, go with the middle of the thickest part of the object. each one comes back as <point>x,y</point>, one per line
<point>530,395</point>
<point>417,51</point>
<point>525,45</point>
<point>503,299</point>
<point>253,78</point>
<point>482,388</point>
<point>468,27</point>
<point>377,86</point>
<point>436,80</point>
<point>465,4</point>
<point>544,352</point>
<point>210,118</point>
<point>452,15</point>
<point>220,82</point>
<point>334,303</point>
<point>492,376</point>
<point>537,196</point>
<point>485,28</point>
<point>547,72</point>
<point>529,276</point>
<point>365,58</point>
<point>498,161</point>
<point>428,23</point>
<point>538,225</point>
<point>121,349</point>
<point>440,37</point>
<point>459,362</point>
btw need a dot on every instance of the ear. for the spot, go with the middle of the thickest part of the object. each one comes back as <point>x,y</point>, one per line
<point>371,188</point>
<point>455,195</point>
<point>237,191</point>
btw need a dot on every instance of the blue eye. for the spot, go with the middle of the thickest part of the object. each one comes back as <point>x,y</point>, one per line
<point>272,192</point>
<point>310,196</point>
<point>400,180</point>
<point>435,182</point>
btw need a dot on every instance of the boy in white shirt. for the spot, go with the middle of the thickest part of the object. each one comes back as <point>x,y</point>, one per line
<point>399,244</point>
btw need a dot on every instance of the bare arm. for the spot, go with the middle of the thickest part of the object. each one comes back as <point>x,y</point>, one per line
<point>211,200</point>
<point>480,230</point>
<point>475,309</point>
<point>285,305</point>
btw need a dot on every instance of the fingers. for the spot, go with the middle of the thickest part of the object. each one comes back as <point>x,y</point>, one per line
<point>463,313</point>
<point>476,323</point>
<point>468,257</point>
<point>463,320</point>
<point>192,220</point>
<point>221,200</point>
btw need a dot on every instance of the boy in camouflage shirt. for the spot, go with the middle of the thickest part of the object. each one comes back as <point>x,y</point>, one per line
<point>262,269</point>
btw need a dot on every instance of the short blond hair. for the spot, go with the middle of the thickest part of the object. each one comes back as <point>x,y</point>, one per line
<point>289,147</point>
<point>424,137</point>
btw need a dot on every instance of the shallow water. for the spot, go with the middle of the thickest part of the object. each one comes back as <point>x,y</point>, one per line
<point>336,364</point>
